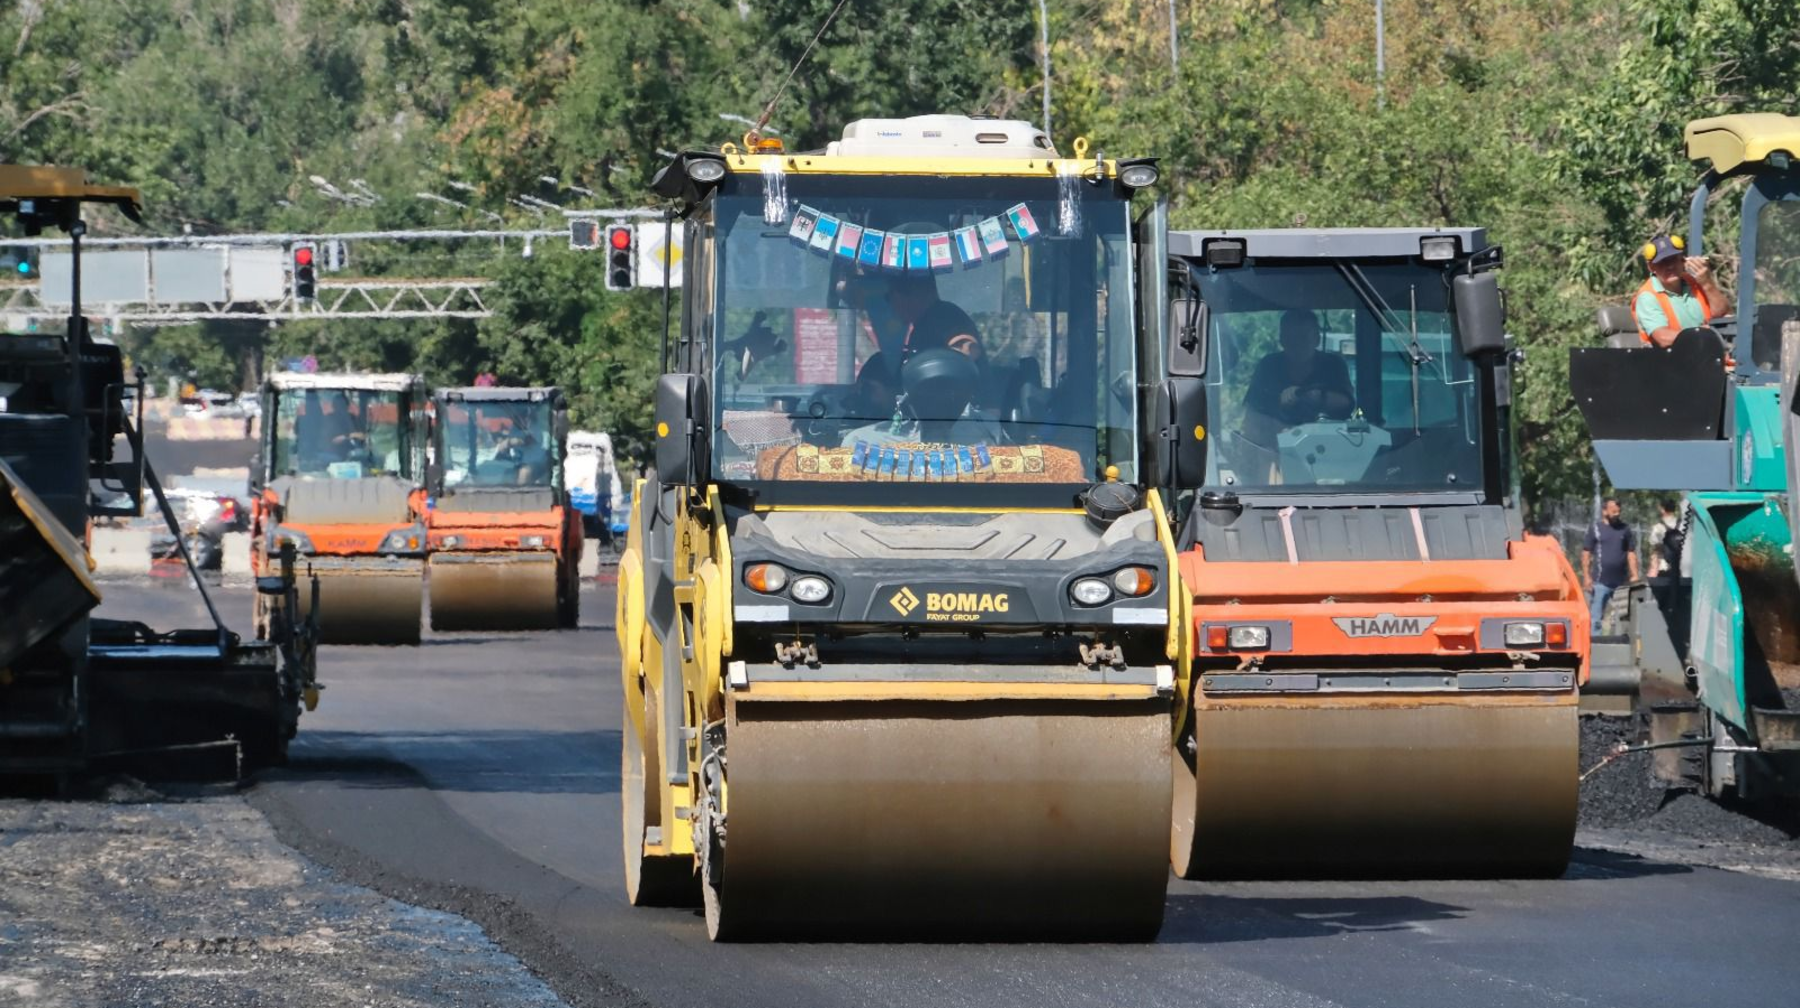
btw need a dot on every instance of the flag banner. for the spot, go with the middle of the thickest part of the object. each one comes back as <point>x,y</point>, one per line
<point>968,461</point>
<point>968,245</point>
<point>939,249</point>
<point>893,252</point>
<point>993,236</point>
<point>918,465</point>
<point>888,460</point>
<point>824,233</point>
<point>1023,224</point>
<point>849,240</point>
<point>870,253</point>
<point>861,457</point>
<point>802,228</point>
<point>918,253</point>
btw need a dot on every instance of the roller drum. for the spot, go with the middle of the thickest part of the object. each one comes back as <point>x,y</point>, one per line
<point>494,591</point>
<point>1382,788</point>
<point>368,605</point>
<point>1009,819</point>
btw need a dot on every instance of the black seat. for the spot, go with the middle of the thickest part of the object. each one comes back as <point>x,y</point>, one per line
<point>1651,393</point>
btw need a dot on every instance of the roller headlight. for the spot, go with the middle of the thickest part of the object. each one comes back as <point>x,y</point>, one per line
<point>401,541</point>
<point>767,578</point>
<point>1134,581</point>
<point>532,541</point>
<point>706,170</point>
<point>1138,176</point>
<point>1248,638</point>
<point>810,589</point>
<point>1090,591</point>
<point>1524,635</point>
<point>451,542</point>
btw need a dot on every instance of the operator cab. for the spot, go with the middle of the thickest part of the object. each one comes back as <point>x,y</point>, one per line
<point>1696,415</point>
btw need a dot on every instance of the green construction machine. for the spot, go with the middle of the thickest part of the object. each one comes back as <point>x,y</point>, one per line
<point>1712,650</point>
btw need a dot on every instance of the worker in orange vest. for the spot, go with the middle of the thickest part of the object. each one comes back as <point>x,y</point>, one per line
<point>1680,292</point>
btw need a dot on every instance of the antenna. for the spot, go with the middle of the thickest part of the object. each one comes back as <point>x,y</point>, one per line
<point>768,110</point>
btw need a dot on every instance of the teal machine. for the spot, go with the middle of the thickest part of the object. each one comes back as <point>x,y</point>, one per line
<point>1718,648</point>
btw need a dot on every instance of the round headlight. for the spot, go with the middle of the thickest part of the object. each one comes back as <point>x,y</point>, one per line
<point>1090,591</point>
<point>706,170</point>
<point>811,590</point>
<point>1134,581</point>
<point>1138,176</point>
<point>767,578</point>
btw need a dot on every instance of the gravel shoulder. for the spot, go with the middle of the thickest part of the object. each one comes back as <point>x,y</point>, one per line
<point>143,898</point>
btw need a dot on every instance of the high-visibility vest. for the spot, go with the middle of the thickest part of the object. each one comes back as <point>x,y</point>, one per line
<point>1667,305</point>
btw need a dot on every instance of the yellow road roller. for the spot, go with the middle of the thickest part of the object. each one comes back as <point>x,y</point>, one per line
<point>900,628</point>
<point>341,476</point>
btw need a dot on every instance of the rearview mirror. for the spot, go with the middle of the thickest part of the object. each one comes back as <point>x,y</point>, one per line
<point>1480,313</point>
<point>1178,454</point>
<point>1188,320</point>
<point>680,430</point>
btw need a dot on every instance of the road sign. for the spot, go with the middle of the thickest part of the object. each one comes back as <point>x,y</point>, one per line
<point>650,256</point>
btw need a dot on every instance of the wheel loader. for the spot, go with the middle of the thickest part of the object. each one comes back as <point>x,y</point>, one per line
<point>340,476</point>
<point>900,633</point>
<point>79,692</point>
<point>1385,669</point>
<point>505,541</point>
<point>1712,650</point>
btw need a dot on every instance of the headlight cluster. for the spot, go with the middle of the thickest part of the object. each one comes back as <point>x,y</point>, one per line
<point>1529,634</point>
<point>532,541</point>
<point>1239,637</point>
<point>774,579</point>
<point>1127,582</point>
<point>401,541</point>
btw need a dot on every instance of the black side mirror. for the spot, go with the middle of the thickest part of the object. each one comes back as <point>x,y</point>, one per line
<point>680,428</point>
<point>1480,313</point>
<point>1178,453</point>
<point>1188,319</point>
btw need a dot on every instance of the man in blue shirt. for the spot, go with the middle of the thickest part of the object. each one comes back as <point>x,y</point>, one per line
<point>1608,558</point>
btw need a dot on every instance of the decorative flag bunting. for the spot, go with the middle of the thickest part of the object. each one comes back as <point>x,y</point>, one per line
<point>939,248</point>
<point>870,253</point>
<point>802,228</point>
<point>918,253</point>
<point>1023,224</point>
<point>849,240</point>
<point>824,233</point>
<point>893,252</point>
<point>968,245</point>
<point>993,237</point>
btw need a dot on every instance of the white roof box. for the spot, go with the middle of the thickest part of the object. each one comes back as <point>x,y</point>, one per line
<point>942,136</point>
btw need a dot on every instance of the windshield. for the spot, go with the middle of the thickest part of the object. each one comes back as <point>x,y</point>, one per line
<point>1341,377</point>
<point>496,444</point>
<point>1777,279</point>
<point>341,434</point>
<point>927,331</point>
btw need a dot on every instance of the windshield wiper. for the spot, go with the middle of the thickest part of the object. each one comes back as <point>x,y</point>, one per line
<point>1390,323</point>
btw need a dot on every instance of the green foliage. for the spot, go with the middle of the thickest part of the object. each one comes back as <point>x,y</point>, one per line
<point>1554,123</point>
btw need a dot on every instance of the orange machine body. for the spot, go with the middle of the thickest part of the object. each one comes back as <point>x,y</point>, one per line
<point>351,539</point>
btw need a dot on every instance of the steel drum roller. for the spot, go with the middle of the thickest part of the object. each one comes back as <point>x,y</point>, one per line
<point>942,819</point>
<point>369,605</point>
<point>493,591</point>
<point>1388,788</point>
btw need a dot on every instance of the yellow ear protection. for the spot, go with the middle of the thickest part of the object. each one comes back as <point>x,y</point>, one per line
<point>1649,250</point>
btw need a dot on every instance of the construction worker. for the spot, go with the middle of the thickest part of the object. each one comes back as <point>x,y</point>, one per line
<point>1680,292</point>
<point>1608,558</point>
<point>1297,384</point>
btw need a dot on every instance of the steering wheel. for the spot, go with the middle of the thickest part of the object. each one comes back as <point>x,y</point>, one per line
<point>939,384</point>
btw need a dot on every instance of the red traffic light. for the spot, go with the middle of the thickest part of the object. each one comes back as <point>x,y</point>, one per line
<point>619,237</point>
<point>303,256</point>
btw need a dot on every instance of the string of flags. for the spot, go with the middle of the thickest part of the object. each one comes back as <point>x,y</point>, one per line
<point>827,235</point>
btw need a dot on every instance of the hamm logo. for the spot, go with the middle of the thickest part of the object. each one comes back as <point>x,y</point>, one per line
<point>1384,625</point>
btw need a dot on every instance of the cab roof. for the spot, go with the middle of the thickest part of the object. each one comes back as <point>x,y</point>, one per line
<point>501,393</point>
<point>1329,243</point>
<point>326,381</point>
<point>1731,142</point>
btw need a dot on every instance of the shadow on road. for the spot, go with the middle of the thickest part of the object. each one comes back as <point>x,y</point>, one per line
<point>1214,919</point>
<point>1590,863</point>
<point>499,761</point>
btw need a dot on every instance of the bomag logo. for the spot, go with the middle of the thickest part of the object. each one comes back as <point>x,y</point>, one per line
<point>1384,625</point>
<point>951,606</point>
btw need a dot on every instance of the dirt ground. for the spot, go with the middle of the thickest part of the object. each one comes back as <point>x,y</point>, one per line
<point>140,898</point>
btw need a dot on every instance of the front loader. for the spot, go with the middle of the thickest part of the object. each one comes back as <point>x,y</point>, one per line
<point>898,617</point>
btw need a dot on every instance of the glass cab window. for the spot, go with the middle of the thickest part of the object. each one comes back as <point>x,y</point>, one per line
<point>1338,377</point>
<point>922,331</point>
<point>341,434</point>
<point>1777,281</point>
<point>496,444</point>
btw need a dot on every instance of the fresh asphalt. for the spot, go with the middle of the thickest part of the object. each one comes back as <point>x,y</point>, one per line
<point>479,774</point>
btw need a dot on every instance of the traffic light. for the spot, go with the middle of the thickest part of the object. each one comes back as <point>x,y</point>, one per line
<point>621,257</point>
<point>17,262</point>
<point>584,234</point>
<point>305,279</point>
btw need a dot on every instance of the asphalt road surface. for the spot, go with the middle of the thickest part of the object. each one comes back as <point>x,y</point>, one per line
<point>479,774</point>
